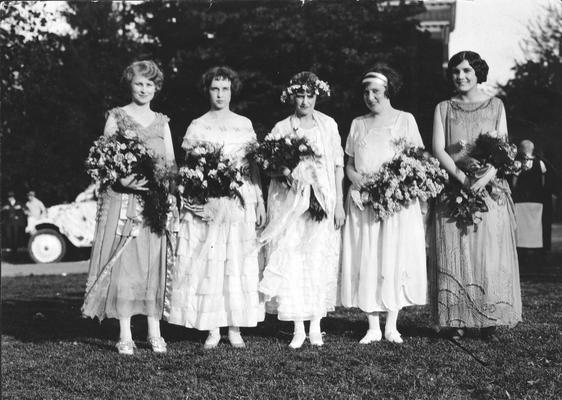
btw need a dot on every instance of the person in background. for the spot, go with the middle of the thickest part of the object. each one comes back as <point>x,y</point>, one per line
<point>528,195</point>
<point>13,223</point>
<point>34,208</point>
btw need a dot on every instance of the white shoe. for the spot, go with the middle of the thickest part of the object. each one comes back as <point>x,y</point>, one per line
<point>212,340</point>
<point>393,336</point>
<point>372,335</point>
<point>236,339</point>
<point>315,338</point>
<point>126,347</point>
<point>298,340</point>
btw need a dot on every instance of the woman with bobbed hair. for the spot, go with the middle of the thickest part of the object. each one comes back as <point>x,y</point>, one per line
<point>474,280</point>
<point>383,262</point>
<point>128,261</point>
<point>215,281</point>
<point>300,277</point>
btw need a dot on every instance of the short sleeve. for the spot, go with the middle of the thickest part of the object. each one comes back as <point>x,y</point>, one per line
<point>350,142</point>
<point>413,132</point>
<point>111,127</point>
<point>337,150</point>
<point>543,167</point>
<point>189,137</point>
<point>252,137</point>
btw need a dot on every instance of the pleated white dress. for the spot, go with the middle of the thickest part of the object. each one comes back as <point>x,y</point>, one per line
<point>215,280</point>
<point>383,263</point>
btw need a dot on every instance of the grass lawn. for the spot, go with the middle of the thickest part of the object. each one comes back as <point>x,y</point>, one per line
<point>50,352</point>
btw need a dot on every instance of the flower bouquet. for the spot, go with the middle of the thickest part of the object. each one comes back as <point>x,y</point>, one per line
<point>464,205</point>
<point>278,154</point>
<point>411,174</point>
<point>497,151</point>
<point>122,155</point>
<point>206,175</point>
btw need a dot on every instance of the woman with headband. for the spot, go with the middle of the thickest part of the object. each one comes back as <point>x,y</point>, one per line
<point>300,278</point>
<point>383,263</point>
<point>475,276</point>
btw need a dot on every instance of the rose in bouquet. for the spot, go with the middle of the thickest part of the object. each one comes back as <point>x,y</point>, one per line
<point>411,174</point>
<point>122,155</point>
<point>279,155</point>
<point>207,174</point>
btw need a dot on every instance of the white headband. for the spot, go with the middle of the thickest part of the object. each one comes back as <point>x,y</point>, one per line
<point>373,76</point>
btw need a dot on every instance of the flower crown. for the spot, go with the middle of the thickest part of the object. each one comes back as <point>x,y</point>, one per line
<point>318,87</point>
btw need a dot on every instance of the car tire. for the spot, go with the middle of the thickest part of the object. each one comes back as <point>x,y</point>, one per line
<point>46,246</point>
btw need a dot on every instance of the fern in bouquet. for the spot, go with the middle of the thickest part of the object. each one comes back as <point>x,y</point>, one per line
<point>411,174</point>
<point>279,155</point>
<point>206,173</point>
<point>121,155</point>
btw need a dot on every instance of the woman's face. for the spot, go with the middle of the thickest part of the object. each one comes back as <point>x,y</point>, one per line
<point>220,94</point>
<point>464,77</point>
<point>142,89</point>
<point>304,103</point>
<point>374,95</point>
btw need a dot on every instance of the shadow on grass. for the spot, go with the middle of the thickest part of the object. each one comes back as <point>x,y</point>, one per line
<point>47,309</point>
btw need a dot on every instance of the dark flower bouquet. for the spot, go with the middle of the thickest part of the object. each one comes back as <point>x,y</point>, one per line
<point>411,174</point>
<point>277,154</point>
<point>122,155</point>
<point>465,206</point>
<point>206,173</point>
<point>497,151</point>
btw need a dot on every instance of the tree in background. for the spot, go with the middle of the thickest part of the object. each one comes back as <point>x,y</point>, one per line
<point>56,90</point>
<point>61,85</point>
<point>534,95</point>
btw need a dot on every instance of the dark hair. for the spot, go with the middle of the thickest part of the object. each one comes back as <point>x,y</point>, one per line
<point>394,83</point>
<point>221,72</point>
<point>476,62</point>
<point>147,68</point>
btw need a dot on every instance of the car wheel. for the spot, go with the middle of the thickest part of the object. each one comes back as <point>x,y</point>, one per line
<point>46,246</point>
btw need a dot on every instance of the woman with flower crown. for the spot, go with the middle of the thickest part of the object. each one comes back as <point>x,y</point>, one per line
<point>128,261</point>
<point>300,277</point>
<point>215,281</point>
<point>474,279</point>
<point>383,262</point>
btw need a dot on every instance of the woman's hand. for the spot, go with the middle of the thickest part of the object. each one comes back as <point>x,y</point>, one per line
<point>260,214</point>
<point>481,182</point>
<point>339,215</point>
<point>357,181</point>
<point>200,211</point>
<point>134,183</point>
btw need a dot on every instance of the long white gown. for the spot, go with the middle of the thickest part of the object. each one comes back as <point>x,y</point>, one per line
<point>215,281</point>
<point>300,277</point>
<point>383,263</point>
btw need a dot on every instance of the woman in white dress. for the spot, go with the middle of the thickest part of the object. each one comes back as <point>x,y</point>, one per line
<point>300,278</point>
<point>215,282</point>
<point>383,263</point>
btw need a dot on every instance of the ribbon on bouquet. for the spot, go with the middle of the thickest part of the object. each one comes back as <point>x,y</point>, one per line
<point>305,179</point>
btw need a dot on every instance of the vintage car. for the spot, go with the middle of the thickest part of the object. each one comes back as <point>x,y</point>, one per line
<point>65,224</point>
